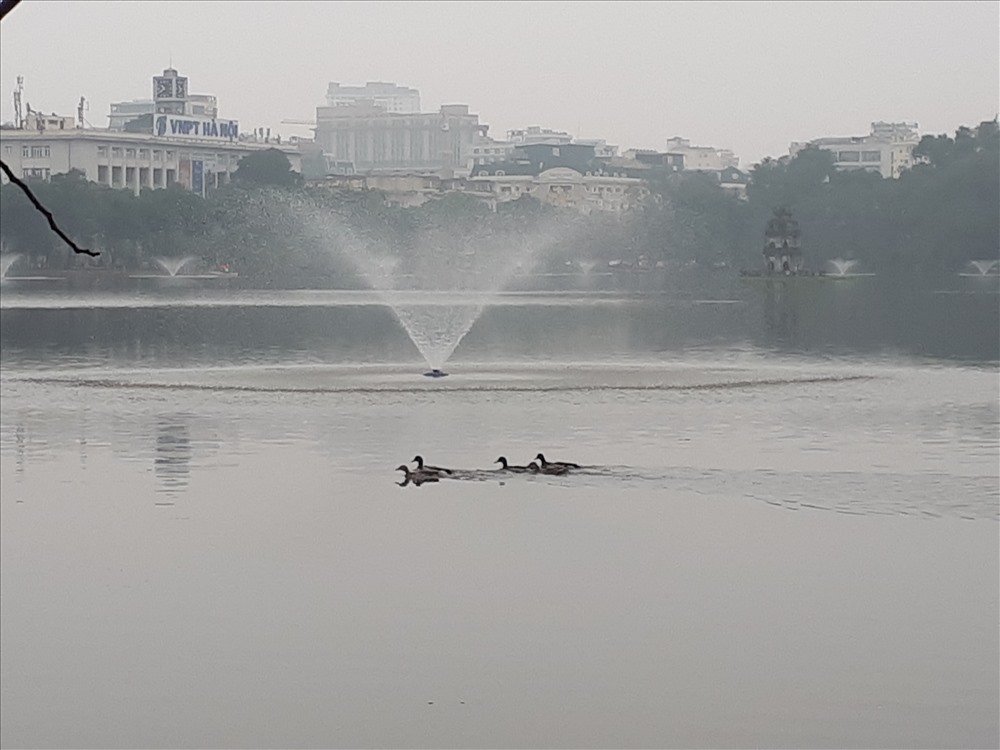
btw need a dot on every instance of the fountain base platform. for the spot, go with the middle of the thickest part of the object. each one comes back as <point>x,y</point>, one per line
<point>436,373</point>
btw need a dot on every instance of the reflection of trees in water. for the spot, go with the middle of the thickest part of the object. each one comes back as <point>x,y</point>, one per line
<point>172,457</point>
<point>781,313</point>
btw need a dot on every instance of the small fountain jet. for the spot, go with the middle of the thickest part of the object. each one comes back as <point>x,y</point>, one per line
<point>6,261</point>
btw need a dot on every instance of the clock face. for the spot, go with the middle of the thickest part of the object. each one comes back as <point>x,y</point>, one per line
<point>181,88</point>
<point>164,89</point>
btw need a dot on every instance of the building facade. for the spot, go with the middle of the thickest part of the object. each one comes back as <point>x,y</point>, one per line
<point>389,97</point>
<point>374,140</point>
<point>536,134</point>
<point>702,158</point>
<point>887,149</point>
<point>587,192</point>
<point>130,160</point>
<point>172,144</point>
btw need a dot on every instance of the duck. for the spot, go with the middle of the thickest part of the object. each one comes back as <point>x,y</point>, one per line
<point>417,476</point>
<point>419,460</point>
<point>550,469</point>
<point>564,464</point>
<point>504,466</point>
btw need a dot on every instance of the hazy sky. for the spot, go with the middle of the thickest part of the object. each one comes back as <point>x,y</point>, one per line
<point>747,76</point>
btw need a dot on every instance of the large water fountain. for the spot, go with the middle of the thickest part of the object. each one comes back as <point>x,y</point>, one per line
<point>439,276</point>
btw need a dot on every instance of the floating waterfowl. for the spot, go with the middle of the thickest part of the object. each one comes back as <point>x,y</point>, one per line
<point>417,477</point>
<point>504,466</point>
<point>550,469</point>
<point>419,461</point>
<point>563,464</point>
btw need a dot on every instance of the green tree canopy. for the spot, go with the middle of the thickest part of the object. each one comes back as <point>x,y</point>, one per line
<point>268,167</point>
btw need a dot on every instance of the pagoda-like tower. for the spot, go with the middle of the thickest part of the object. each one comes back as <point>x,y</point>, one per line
<point>783,243</point>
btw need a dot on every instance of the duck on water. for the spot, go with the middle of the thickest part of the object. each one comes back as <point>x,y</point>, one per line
<point>548,468</point>
<point>504,466</point>
<point>416,476</point>
<point>555,464</point>
<point>421,466</point>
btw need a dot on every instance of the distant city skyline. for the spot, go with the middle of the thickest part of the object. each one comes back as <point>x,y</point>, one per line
<point>750,77</point>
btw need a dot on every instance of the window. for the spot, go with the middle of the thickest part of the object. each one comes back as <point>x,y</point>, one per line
<point>130,152</point>
<point>39,152</point>
<point>102,150</point>
<point>157,154</point>
<point>170,155</point>
<point>143,153</point>
<point>8,149</point>
<point>116,151</point>
<point>25,152</point>
<point>871,156</point>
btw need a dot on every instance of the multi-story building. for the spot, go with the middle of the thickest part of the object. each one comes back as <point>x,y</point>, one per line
<point>387,96</point>
<point>374,140</point>
<point>567,175</point>
<point>172,147</point>
<point>702,158</point>
<point>649,158</point>
<point>536,134</point>
<point>122,113</point>
<point>591,191</point>
<point>487,150</point>
<point>887,149</point>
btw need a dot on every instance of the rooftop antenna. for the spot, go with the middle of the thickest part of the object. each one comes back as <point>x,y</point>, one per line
<point>81,108</point>
<point>18,114</point>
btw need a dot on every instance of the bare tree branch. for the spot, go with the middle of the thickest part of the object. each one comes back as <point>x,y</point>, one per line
<point>45,212</point>
<point>6,6</point>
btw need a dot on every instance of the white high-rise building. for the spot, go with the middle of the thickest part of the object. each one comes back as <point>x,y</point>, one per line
<point>386,96</point>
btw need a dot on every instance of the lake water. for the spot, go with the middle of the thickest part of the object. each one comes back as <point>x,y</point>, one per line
<point>786,533</point>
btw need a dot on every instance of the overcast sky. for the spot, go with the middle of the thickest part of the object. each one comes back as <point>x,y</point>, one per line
<point>747,76</point>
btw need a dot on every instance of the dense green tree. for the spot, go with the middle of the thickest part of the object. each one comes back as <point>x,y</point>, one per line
<point>268,167</point>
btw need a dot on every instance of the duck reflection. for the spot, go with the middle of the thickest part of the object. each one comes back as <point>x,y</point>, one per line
<point>172,456</point>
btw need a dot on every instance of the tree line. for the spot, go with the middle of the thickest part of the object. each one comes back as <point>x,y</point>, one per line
<point>935,218</point>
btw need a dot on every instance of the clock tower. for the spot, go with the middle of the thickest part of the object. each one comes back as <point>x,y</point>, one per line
<point>170,92</point>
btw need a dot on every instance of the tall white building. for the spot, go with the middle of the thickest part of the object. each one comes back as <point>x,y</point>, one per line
<point>390,97</point>
<point>887,149</point>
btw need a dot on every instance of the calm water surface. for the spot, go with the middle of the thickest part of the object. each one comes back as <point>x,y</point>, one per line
<point>779,540</point>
